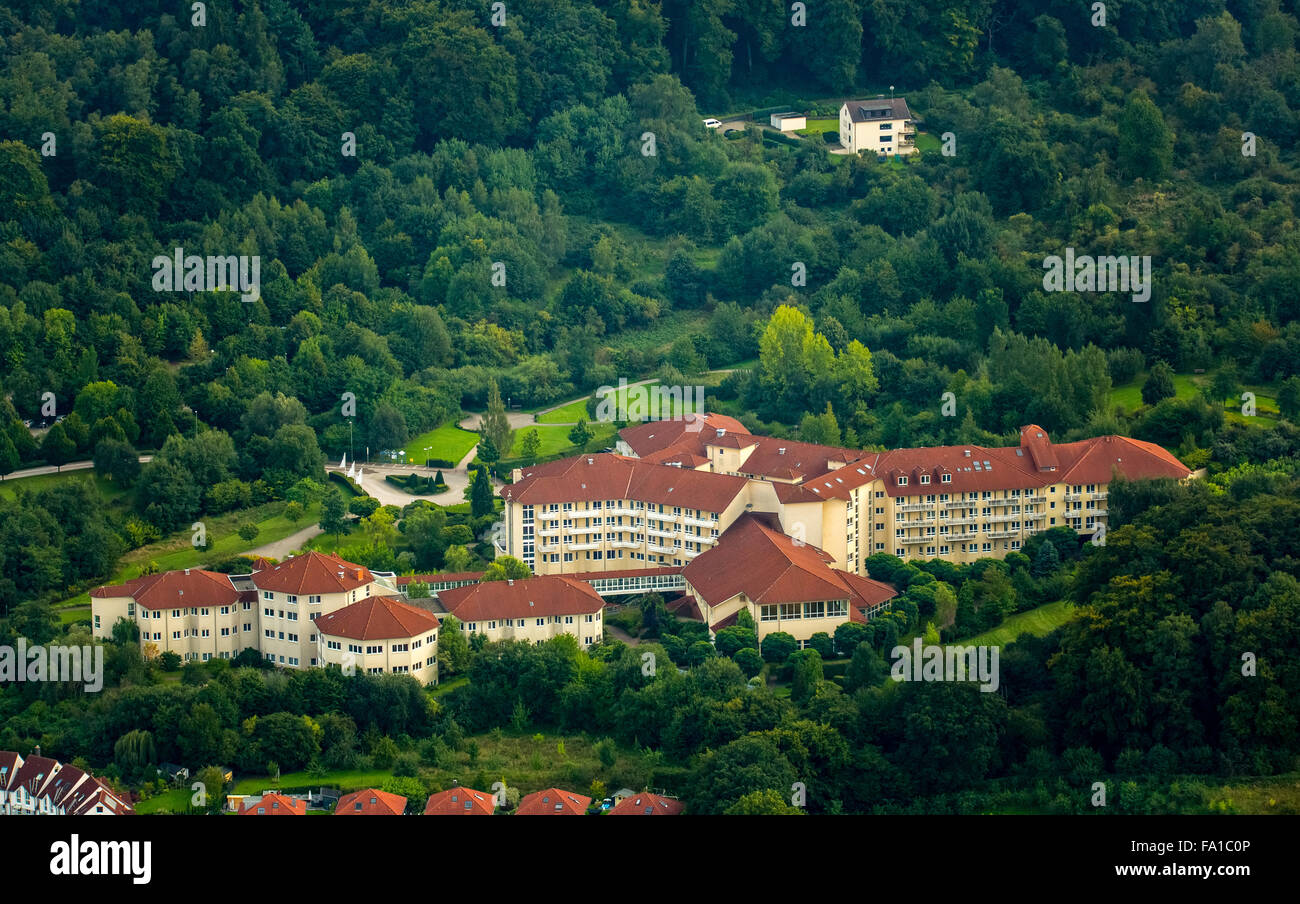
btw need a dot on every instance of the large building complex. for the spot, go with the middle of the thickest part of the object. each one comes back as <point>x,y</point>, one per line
<point>958,503</point>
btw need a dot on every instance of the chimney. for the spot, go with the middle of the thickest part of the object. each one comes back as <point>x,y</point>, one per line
<point>36,751</point>
<point>510,582</point>
<point>187,572</point>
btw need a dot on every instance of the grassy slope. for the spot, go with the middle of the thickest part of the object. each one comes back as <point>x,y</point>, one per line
<point>1037,622</point>
<point>447,442</point>
<point>1129,397</point>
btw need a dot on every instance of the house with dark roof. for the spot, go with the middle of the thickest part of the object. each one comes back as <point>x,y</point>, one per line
<point>881,125</point>
<point>40,786</point>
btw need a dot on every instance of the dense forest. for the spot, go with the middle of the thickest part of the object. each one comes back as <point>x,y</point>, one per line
<point>448,210</point>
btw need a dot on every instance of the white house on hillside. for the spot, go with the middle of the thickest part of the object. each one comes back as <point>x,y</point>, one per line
<point>882,125</point>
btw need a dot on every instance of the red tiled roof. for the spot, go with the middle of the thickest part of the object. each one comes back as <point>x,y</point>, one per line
<point>758,560</point>
<point>313,573</point>
<point>647,804</point>
<point>274,805</point>
<point>605,476</point>
<point>553,802</point>
<point>538,596</point>
<point>377,618</point>
<point>370,802</point>
<point>460,802</point>
<point>656,436</point>
<point>174,589</point>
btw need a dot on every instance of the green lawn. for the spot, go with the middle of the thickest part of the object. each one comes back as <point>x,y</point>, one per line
<point>817,126</point>
<point>568,414</point>
<point>927,142</point>
<point>1037,622</point>
<point>555,439</point>
<point>178,552</point>
<point>448,442</point>
<point>343,779</point>
<point>1128,397</point>
<point>113,493</point>
<point>177,800</point>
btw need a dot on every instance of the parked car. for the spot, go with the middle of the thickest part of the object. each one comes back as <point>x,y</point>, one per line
<point>712,123</point>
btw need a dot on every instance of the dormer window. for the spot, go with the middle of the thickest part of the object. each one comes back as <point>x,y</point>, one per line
<point>947,478</point>
<point>925,478</point>
<point>902,481</point>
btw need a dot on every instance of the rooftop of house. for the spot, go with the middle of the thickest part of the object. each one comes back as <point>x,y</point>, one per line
<point>460,802</point>
<point>647,804</point>
<point>370,802</point>
<point>553,802</point>
<point>878,109</point>
<point>609,476</point>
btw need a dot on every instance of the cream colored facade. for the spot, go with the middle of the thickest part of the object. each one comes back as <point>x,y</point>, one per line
<point>588,628</point>
<point>194,632</point>
<point>800,620</point>
<point>614,534</point>
<point>287,634</point>
<point>959,527</point>
<point>887,135</point>
<point>414,656</point>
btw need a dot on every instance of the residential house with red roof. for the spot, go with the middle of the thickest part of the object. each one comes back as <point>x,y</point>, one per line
<point>533,609</point>
<point>647,804</point>
<point>274,804</point>
<point>40,786</point>
<point>460,801</point>
<point>553,802</point>
<point>370,802</point>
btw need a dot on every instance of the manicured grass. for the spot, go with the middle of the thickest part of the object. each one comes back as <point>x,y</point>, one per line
<point>178,551</point>
<point>817,126</point>
<point>555,439</point>
<point>177,800</point>
<point>447,442</point>
<point>113,493</point>
<point>927,142</point>
<point>1037,622</point>
<point>1128,397</point>
<point>567,414</point>
<point>446,687</point>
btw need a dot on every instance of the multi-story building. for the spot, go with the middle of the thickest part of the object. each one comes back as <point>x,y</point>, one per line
<point>785,584</point>
<point>958,503</point>
<point>882,125</point>
<point>380,635</point>
<point>611,512</point>
<point>40,786</point>
<point>202,615</point>
<point>533,610</point>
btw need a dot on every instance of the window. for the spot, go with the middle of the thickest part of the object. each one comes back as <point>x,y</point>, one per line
<point>925,478</point>
<point>947,478</point>
<point>902,481</point>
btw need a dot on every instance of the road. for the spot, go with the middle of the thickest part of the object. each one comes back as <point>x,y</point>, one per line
<point>51,469</point>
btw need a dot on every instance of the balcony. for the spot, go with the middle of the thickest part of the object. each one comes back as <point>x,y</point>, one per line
<point>1002,534</point>
<point>626,511</point>
<point>550,532</point>
<point>912,541</point>
<point>963,503</point>
<point>548,547</point>
<point>956,522</point>
<point>587,513</point>
<point>969,535</point>
<point>625,544</point>
<point>1074,497</point>
<point>655,532</point>
<point>1097,496</point>
<point>914,507</point>
<point>1031,500</point>
<point>700,522</point>
<point>690,553</point>
<point>652,547</point>
<point>584,546</point>
<point>550,516</point>
<point>660,516</point>
<point>574,531</point>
